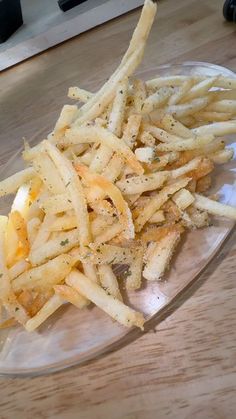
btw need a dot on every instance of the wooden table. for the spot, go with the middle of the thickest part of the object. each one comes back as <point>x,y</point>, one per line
<point>188,367</point>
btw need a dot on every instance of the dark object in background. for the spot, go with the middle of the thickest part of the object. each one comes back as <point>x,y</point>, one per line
<point>68,4</point>
<point>229,10</point>
<point>10,18</point>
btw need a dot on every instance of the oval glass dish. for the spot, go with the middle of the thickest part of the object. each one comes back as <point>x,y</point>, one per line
<point>72,336</point>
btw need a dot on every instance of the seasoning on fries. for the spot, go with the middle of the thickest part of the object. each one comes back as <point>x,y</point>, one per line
<point>119,181</point>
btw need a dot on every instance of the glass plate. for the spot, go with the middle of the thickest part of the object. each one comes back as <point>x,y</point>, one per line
<point>72,336</point>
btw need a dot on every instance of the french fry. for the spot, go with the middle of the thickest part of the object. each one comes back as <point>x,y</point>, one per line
<point>160,134</point>
<point>104,153</point>
<point>46,311</point>
<point>183,198</point>
<point>112,306</point>
<point>22,201</point>
<point>203,184</point>
<point>188,108</point>
<point>79,94</point>
<point>71,295</point>
<point>133,277</point>
<point>217,129</point>
<point>7,297</point>
<point>157,217</point>
<point>174,127</point>
<point>200,89</point>
<point>75,190</point>
<point>15,270</point>
<point>11,244</point>
<point>12,183</point>
<point>97,104</point>
<point>199,218</point>
<point>48,173</point>
<point>157,99</point>
<point>222,156</point>
<point>56,204</point>
<point>123,210</point>
<point>101,135</point>
<point>159,162</point>
<point>104,254</point>
<point>157,201</point>
<point>165,81</point>
<point>109,282</point>
<point>212,116</point>
<point>161,256</point>
<point>225,105</point>
<point>140,184</point>
<point>145,154</point>
<point>181,92</point>
<point>147,139</point>
<point>67,116</point>
<point>213,207</point>
<point>62,243</point>
<point>109,233</point>
<point>158,233</point>
<point>43,232</point>
<point>21,230</point>
<point>44,276</point>
<point>186,144</point>
<point>90,271</point>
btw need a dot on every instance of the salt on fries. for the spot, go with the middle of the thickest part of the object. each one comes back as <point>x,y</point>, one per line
<point>117,182</point>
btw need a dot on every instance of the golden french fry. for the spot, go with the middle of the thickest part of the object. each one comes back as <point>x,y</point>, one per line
<point>160,257</point>
<point>44,276</point>
<point>74,188</point>
<point>157,201</point>
<point>109,282</point>
<point>140,184</point>
<point>112,306</point>
<point>71,295</point>
<point>79,94</point>
<point>46,311</point>
<point>12,183</point>
<point>213,207</point>
<point>217,129</point>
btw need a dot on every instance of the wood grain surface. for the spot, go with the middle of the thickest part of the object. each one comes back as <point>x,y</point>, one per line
<point>185,366</point>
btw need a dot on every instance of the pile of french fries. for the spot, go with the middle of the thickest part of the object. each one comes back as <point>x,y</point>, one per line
<point>117,182</point>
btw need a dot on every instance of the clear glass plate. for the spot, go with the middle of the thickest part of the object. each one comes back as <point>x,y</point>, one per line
<point>72,336</point>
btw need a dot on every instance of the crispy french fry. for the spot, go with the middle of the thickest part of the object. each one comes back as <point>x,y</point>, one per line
<point>140,184</point>
<point>79,94</point>
<point>101,135</point>
<point>222,156</point>
<point>46,311</point>
<point>217,129</point>
<point>123,210</point>
<point>157,99</point>
<point>112,306</point>
<point>109,282</point>
<point>75,190</point>
<point>186,144</point>
<point>160,257</point>
<point>213,207</point>
<point>44,276</point>
<point>174,127</point>
<point>157,217</point>
<point>71,295</point>
<point>62,243</point>
<point>48,173</point>
<point>12,183</point>
<point>67,116</point>
<point>157,201</point>
<point>183,198</point>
